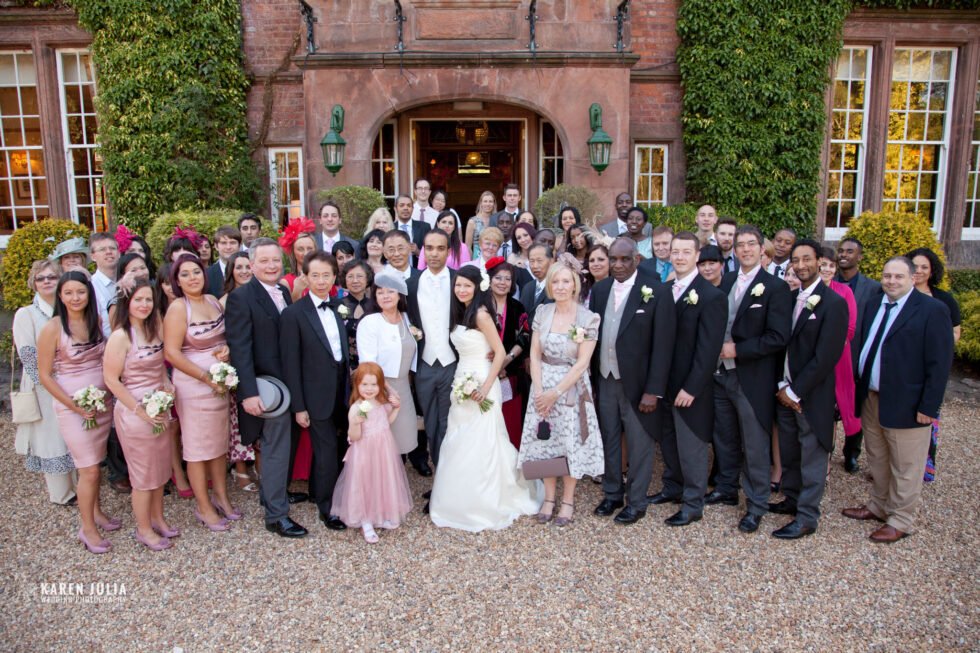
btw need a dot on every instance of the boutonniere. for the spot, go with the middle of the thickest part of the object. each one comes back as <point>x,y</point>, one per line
<point>416,332</point>
<point>343,311</point>
<point>579,335</point>
<point>757,290</point>
<point>692,298</point>
<point>646,292</point>
<point>812,301</point>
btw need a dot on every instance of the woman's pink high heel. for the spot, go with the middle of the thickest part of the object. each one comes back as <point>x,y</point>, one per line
<point>109,525</point>
<point>165,532</point>
<point>161,545</point>
<point>102,547</point>
<point>234,515</point>
<point>222,525</point>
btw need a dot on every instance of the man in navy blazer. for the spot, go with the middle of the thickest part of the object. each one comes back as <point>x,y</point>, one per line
<point>253,318</point>
<point>904,366</point>
<point>313,346</point>
<point>758,327</point>
<point>805,414</point>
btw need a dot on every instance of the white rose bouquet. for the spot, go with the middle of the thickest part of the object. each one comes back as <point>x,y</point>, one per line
<point>225,376</point>
<point>363,408</point>
<point>156,403</point>
<point>465,386</point>
<point>90,398</point>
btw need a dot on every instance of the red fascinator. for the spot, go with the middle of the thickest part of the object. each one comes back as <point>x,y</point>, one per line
<point>184,231</point>
<point>124,238</point>
<point>494,262</point>
<point>294,230</point>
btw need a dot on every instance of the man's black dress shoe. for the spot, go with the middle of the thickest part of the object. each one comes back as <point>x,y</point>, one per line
<point>607,507</point>
<point>785,507</point>
<point>715,496</point>
<point>297,497</point>
<point>629,516</point>
<point>793,531</point>
<point>851,465</point>
<point>682,518</point>
<point>660,497</point>
<point>427,494</point>
<point>749,523</point>
<point>425,508</point>
<point>422,468</point>
<point>286,527</point>
<point>333,522</point>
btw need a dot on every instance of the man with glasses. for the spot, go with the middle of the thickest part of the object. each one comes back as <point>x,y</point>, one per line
<point>421,209</point>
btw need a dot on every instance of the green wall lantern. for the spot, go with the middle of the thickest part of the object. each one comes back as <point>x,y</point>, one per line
<point>333,144</point>
<point>600,143</point>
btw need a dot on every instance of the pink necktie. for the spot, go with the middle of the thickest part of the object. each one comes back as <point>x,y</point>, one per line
<point>619,290</point>
<point>800,303</point>
<point>678,289</point>
<point>277,298</point>
<point>743,281</point>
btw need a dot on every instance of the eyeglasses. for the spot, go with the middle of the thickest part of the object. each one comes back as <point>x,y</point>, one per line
<point>46,277</point>
<point>99,250</point>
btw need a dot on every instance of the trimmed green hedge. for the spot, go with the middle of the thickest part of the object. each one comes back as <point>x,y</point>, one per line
<point>204,222</point>
<point>32,242</point>
<point>968,347</point>
<point>171,105</point>
<point>962,281</point>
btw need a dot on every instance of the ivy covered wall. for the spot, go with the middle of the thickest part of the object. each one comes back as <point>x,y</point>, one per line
<point>171,105</point>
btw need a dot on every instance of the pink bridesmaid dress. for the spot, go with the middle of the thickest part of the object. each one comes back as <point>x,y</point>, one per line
<point>203,414</point>
<point>372,488</point>
<point>76,366</point>
<point>147,453</point>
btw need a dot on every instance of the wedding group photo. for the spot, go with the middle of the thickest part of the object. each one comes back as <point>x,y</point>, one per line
<point>548,349</point>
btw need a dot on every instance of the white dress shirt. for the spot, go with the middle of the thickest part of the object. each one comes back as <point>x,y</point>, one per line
<point>329,323</point>
<point>425,213</point>
<point>876,363</point>
<point>105,291</point>
<point>778,269</point>
<point>433,295</point>
<point>683,283</point>
<point>622,290</point>
<point>745,280</point>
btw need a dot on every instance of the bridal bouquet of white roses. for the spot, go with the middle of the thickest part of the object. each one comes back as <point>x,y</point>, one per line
<point>464,386</point>
<point>225,376</point>
<point>90,398</point>
<point>156,403</point>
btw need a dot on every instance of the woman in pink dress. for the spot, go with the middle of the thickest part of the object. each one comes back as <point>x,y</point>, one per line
<point>844,370</point>
<point>459,254</point>
<point>372,488</point>
<point>194,340</point>
<point>133,368</point>
<point>69,354</point>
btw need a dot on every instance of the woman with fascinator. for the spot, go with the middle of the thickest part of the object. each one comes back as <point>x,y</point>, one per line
<point>297,241</point>
<point>477,483</point>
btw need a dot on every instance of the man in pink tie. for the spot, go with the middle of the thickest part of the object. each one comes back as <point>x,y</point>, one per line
<point>421,209</point>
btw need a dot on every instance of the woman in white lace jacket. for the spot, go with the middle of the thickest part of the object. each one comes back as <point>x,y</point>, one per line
<point>40,441</point>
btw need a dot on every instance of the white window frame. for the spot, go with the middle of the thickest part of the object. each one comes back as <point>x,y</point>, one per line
<point>637,173</point>
<point>941,168</point>
<point>836,233</point>
<point>5,151</point>
<point>973,177</point>
<point>275,177</point>
<point>549,160</point>
<point>379,161</point>
<point>66,138</point>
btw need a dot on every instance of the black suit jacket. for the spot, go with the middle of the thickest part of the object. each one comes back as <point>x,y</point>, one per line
<point>644,344</point>
<point>318,237</point>
<point>315,380</point>
<point>916,356</point>
<point>529,302</point>
<point>415,314</point>
<point>815,345</point>
<point>700,334</point>
<point>253,338</point>
<point>216,280</point>
<point>760,333</point>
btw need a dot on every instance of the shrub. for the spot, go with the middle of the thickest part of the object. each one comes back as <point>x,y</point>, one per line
<point>356,203</point>
<point>969,345</point>
<point>679,217</point>
<point>962,281</point>
<point>891,233</point>
<point>550,203</point>
<point>28,244</point>
<point>205,222</point>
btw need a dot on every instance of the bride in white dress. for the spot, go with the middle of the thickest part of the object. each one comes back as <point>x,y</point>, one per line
<point>478,485</point>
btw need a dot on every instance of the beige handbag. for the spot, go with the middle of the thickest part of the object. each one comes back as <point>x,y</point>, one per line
<point>23,404</point>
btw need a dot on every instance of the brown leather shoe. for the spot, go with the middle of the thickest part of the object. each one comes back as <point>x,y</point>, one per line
<point>861,512</point>
<point>887,534</point>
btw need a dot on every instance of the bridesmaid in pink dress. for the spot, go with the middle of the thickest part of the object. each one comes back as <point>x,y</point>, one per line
<point>133,368</point>
<point>193,340</point>
<point>69,352</point>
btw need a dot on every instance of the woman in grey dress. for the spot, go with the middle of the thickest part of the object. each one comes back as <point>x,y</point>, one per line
<point>563,339</point>
<point>385,337</point>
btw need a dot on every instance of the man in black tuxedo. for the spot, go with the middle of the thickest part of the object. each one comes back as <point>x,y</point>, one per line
<point>701,313</point>
<point>758,326</point>
<point>228,241</point>
<point>414,230</point>
<point>328,231</point>
<point>253,318</point>
<point>904,365</point>
<point>313,346</point>
<point>630,366</point>
<point>539,259</point>
<point>866,291</point>
<point>429,297</point>
<point>805,414</point>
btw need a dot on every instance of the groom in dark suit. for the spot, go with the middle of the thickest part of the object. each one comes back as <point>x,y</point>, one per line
<point>630,365</point>
<point>313,344</point>
<point>805,414</point>
<point>253,315</point>
<point>702,313</point>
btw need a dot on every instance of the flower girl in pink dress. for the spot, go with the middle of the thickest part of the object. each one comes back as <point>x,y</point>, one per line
<point>372,488</point>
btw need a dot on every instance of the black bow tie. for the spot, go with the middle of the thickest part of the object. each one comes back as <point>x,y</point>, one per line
<point>323,306</point>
